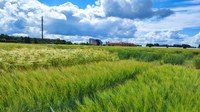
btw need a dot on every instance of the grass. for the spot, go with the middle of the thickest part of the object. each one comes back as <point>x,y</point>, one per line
<point>34,58</point>
<point>107,86</point>
<point>10,46</point>
<point>60,88</point>
<point>159,89</point>
<point>174,59</point>
<point>92,78</point>
<point>196,62</point>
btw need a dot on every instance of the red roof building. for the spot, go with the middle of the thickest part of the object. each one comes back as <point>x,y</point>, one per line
<point>119,44</point>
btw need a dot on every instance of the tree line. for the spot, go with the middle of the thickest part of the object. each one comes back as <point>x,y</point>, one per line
<point>19,39</point>
<point>13,39</point>
<point>175,45</point>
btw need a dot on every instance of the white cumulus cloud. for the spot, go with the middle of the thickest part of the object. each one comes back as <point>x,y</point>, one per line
<point>109,20</point>
<point>132,9</point>
<point>195,40</point>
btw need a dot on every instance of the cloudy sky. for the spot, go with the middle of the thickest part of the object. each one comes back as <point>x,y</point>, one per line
<point>136,21</point>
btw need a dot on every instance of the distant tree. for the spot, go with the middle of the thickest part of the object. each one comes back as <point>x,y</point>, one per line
<point>199,46</point>
<point>83,43</point>
<point>186,46</point>
<point>57,41</point>
<point>69,43</point>
<point>27,40</point>
<point>13,39</point>
<point>156,44</point>
<point>177,45</point>
<point>149,45</point>
<point>35,41</point>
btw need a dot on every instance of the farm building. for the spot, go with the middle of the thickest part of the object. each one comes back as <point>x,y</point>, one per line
<point>95,42</point>
<point>119,44</point>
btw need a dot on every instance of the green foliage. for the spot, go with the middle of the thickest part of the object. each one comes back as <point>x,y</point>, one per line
<point>41,78</point>
<point>60,88</point>
<point>149,56</point>
<point>13,39</point>
<point>154,54</point>
<point>196,62</point>
<point>159,89</point>
<point>106,86</point>
<point>27,58</point>
<point>174,59</point>
<point>139,55</point>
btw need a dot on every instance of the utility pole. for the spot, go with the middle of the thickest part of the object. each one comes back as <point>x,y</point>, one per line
<point>42,27</point>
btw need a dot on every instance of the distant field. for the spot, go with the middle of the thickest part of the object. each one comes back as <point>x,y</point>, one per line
<point>98,78</point>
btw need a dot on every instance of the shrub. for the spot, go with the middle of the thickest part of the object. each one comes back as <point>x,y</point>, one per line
<point>175,59</point>
<point>196,62</point>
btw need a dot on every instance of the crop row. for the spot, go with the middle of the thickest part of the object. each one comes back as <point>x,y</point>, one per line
<point>60,88</point>
<point>159,89</point>
<point>105,86</point>
<point>32,58</point>
<point>163,55</point>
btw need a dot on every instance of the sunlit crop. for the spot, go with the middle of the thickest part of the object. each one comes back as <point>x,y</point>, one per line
<point>159,89</point>
<point>51,57</point>
<point>60,78</point>
<point>196,62</point>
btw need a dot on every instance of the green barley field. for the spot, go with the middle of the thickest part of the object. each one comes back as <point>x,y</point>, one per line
<point>61,78</point>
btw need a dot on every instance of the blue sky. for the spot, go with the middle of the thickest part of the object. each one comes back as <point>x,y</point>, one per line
<point>84,3</point>
<point>80,3</point>
<point>156,4</point>
<point>173,3</point>
<point>190,31</point>
<point>136,21</point>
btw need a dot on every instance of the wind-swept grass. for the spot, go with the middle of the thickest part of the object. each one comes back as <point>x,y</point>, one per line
<point>172,55</point>
<point>34,58</point>
<point>101,78</point>
<point>106,86</point>
<point>11,46</point>
<point>159,89</point>
<point>174,59</point>
<point>59,88</point>
<point>196,62</point>
<point>138,53</point>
